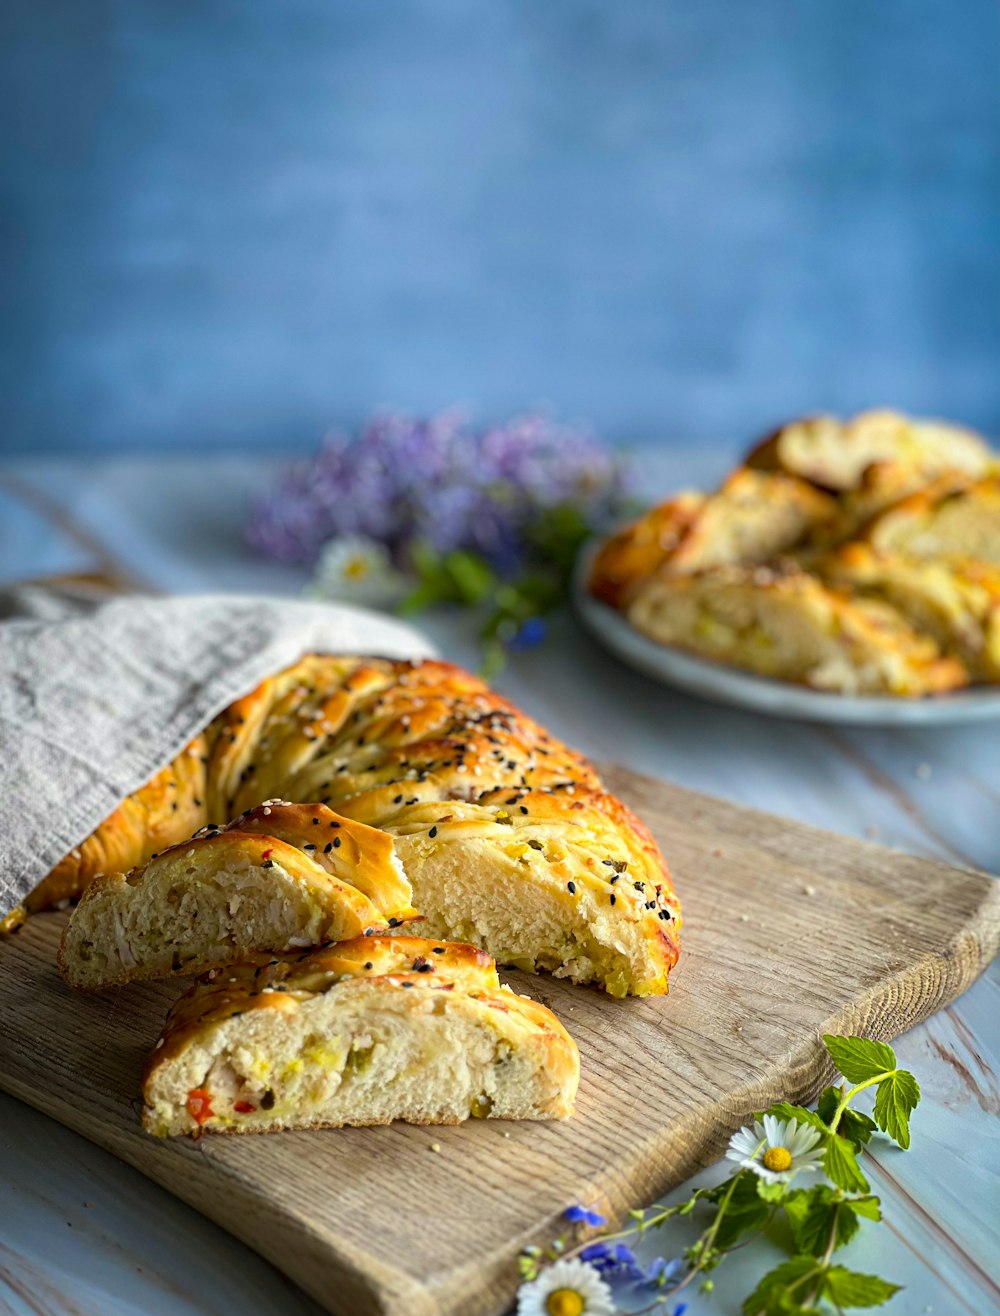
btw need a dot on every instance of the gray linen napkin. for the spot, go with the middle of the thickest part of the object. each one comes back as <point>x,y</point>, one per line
<point>97,695</point>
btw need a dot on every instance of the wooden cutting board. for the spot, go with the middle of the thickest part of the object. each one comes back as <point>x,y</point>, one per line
<point>790,932</point>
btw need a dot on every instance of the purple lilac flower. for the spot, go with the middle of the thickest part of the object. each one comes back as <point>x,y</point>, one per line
<point>442,480</point>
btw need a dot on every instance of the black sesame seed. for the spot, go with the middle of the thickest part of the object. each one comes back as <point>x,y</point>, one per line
<point>437,950</point>
<point>369,964</point>
<point>336,842</point>
<point>524,808</point>
<point>433,832</point>
<point>328,847</point>
<point>613,897</point>
<point>395,922</point>
<point>308,846</point>
<point>571,888</point>
<point>398,799</point>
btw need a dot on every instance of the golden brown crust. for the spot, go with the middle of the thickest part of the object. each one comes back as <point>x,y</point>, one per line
<point>205,1074</point>
<point>787,624</point>
<point>372,737</point>
<point>168,809</point>
<point>278,876</point>
<point>834,454</point>
<point>753,517</point>
<point>947,519</point>
<point>639,549</point>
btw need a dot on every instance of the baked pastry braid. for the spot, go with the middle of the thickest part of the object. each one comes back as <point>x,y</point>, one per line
<point>834,454</point>
<point>166,810</point>
<point>565,881</point>
<point>367,1032</point>
<point>374,739</point>
<point>752,518</point>
<point>957,602</point>
<point>638,550</point>
<point>942,521</point>
<point>785,623</point>
<point>280,877</point>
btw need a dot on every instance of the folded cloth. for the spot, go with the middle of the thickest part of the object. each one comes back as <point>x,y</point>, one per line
<point>97,695</point>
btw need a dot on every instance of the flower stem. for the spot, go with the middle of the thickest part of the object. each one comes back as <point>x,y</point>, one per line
<point>849,1095</point>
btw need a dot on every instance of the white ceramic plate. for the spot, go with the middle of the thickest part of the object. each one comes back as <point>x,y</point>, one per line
<point>759,694</point>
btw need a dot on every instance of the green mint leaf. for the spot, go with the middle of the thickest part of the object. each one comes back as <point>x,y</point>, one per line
<point>847,1288</point>
<point>895,1098</point>
<point>771,1297</point>
<point>812,1217</point>
<point>841,1165</point>
<point>782,1110</point>
<point>869,1207</point>
<point>858,1059</point>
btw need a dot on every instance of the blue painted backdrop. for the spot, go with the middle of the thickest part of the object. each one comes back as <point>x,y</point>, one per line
<point>237,221</point>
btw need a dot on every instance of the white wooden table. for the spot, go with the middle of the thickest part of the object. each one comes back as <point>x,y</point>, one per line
<point>81,1233</point>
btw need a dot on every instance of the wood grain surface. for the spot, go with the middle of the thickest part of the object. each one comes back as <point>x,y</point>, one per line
<point>790,932</point>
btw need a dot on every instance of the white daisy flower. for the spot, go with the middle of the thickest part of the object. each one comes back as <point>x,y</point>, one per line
<point>356,569</point>
<point>566,1288</point>
<point>777,1150</point>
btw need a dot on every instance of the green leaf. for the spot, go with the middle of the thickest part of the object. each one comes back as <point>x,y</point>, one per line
<point>853,1126</point>
<point>770,1297</point>
<point>895,1099</point>
<point>427,563</point>
<point>471,576</point>
<point>494,658</point>
<point>423,597</point>
<point>869,1207</point>
<point>782,1110</point>
<point>841,1165</point>
<point>847,1288</point>
<point>813,1216</point>
<point>859,1059</point>
<point>746,1212</point>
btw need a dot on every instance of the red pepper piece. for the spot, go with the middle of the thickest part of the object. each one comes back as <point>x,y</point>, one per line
<point>199,1104</point>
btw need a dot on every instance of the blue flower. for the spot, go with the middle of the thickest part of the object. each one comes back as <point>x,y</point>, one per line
<point>531,633</point>
<point>661,1273</point>
<point>581,1215</point>
<point>597,1255</point>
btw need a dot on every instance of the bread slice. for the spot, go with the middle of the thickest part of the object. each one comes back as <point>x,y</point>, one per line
<point>566,881</point>
<point>785,623</point>
<point>957,601</point>
<point>638,550</point>
<point>753,517</point>
<point>279,877</point>
<point>834,454</point>
<point>942,522</point>
<point>373,1030</point>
